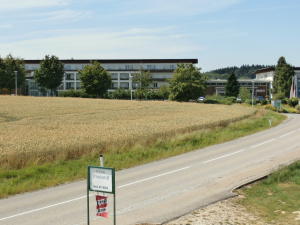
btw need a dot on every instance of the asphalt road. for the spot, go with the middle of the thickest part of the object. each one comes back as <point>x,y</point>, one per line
<point>164,190</point>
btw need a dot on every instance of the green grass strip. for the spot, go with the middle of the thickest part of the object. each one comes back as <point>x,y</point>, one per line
<point>275,199</point>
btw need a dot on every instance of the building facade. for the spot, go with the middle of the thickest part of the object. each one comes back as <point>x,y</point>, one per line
<point>267,74</point>
<point>258,87</point>
<point>120,69</point>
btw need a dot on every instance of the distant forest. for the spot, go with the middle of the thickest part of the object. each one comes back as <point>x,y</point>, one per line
<point>243,72</point>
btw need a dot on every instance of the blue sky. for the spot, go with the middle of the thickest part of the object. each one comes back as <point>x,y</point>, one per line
<point>219,33</point>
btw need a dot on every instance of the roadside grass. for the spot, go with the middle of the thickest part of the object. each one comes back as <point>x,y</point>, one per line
<point>275,199</point>
<point>35,177</point>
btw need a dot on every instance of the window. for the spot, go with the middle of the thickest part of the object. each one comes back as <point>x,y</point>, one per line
<point>124,85</point>
<point>114,85</point>
<point>114,76</point>
<point>69,85</point>
<point>128,67</point>
<point>124,76</point>
<point>172,67</point>
<point>155,85</point>
<point>67,67</point>
<point>150,67</point>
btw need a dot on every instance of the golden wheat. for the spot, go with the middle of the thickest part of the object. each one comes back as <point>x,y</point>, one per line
<point>40,129</point>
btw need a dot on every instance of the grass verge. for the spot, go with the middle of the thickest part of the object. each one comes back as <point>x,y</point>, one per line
<point>275,199</point>
<point>50,174</point>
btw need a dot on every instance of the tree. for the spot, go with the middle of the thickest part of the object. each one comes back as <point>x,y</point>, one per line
<point>50,74</point>
<point>95,80</point>
<point>282,79</point>
<point>8,66</point>
<point>232,86</point>
<point>244,94</point>
<point>187,83</point>
<point>142,81</point>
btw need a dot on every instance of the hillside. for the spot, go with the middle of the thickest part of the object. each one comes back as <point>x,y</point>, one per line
<point>242,72</point>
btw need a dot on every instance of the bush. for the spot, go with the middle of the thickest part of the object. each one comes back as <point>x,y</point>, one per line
<point>120,93</point>
<point>284,101</point>
<point>73,93</point>
<point>249,102</point>
<point>264,102</point>
<point>293,102</point>
<point>231,99</point>
<point>211,101</point>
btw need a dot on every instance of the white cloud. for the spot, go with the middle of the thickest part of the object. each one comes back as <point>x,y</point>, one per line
<point>178,7</point>
<point>25,4</point>
<point>5,26</point>
<point>92,43</point>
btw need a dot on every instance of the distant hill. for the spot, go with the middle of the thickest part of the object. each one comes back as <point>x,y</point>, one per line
<point>243,72</point>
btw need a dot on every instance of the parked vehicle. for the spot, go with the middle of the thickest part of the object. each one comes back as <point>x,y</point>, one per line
<point>201,98</point>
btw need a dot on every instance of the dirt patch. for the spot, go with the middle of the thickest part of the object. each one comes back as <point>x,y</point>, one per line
<point>223,212</point>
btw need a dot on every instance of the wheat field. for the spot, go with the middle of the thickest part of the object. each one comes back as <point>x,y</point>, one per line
<point>45,129</point>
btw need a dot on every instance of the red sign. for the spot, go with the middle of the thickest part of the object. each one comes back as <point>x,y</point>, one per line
<point>101,206</point>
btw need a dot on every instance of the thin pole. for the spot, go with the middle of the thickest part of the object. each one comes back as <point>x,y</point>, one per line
<point>115,209</point>
<point>101,161</point>
<point>252,91</point>
<point>16,82</point>
<point>88,197</point>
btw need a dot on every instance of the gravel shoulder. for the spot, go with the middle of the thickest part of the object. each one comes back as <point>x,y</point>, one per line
<point>223,212</point>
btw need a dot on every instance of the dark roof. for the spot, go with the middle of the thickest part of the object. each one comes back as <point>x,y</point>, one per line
<point>84,61</point>
<point>264,70</point>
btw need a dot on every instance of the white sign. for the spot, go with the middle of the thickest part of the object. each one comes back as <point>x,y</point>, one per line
<point>101,179</point>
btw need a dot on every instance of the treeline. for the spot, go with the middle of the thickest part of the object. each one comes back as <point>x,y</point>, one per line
<point>243,72</point>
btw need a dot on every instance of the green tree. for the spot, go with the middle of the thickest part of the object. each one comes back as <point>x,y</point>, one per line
<point>142,81</point>
<point>95,80</point>
<point>282,79</point>
<point>232,86</point>
<point>8,66</point>
<point>244,94</point>
<point>187,83</point>
<point>50,73</point>
<point>163,92</point>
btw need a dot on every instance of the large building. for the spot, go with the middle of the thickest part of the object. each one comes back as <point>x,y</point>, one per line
<point>160,69</point>
<point>260,88</point>
<point>120,70</point>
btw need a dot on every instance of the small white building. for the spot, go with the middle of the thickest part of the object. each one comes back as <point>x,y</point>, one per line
<point>267,75</point>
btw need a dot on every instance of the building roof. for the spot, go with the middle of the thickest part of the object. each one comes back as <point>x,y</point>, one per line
<point>269,69</point>
<point>264,70</point>
<point>108,61</point>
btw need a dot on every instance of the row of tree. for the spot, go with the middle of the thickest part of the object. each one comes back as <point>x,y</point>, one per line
<point>243,72</point>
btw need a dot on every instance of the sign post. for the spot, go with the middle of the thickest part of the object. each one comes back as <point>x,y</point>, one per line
<point>100,179</point>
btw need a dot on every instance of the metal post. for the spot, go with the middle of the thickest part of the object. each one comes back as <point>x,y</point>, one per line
<point>115,219</point>
<point>16,82</point>
<point>252,91</point>
<point>101,161</point>
<point>130,77</point>
<point>88,197</point>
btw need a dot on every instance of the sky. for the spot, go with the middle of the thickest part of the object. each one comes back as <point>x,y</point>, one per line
<point>219,33</point>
